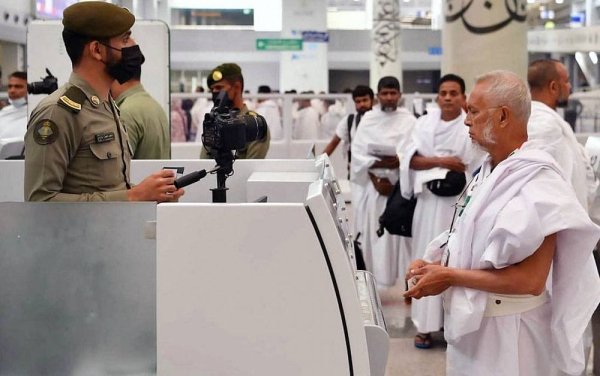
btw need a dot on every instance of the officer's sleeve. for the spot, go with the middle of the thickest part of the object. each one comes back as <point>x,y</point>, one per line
<point>259,149</point>
<point>134,130</point>
<point>51,141</point>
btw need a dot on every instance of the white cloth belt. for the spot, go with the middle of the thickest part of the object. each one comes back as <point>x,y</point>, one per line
<point>503,305</point>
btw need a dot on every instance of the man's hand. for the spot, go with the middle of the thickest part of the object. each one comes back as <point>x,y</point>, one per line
<point>156,187</point>
<point>388,162</point>
<point>452,163</point>
<point>431,280</point>
<point>414,265</point>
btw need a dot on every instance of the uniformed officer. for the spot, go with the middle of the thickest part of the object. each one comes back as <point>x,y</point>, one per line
<point>76,148</point>
<point>229,77</point>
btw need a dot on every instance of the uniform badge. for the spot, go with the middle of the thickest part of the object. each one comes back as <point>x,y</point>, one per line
<point>45,132</point>
<point>217,75</point>
<point>95,100</point>
<point>70,103</point>
<point>104,137</point>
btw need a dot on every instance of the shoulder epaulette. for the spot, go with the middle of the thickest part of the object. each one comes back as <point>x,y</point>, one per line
<point>72,99</point>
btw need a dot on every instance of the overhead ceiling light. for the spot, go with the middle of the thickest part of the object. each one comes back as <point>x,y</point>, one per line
<point>559,1</point>
<point>593,57</point>
<point>530,1</point>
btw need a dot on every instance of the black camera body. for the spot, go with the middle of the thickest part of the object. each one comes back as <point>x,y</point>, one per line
<point>47,86</point>
<point>226,130</point>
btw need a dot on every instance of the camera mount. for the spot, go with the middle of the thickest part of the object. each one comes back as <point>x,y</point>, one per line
<point>224,169</point>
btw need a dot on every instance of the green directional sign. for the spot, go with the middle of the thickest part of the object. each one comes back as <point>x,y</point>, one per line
<point>279,44</point>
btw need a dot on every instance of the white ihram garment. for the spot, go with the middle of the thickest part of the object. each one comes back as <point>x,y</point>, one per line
<point>386,257</point>
<point>559,140</point>
<point>270,111</point>
<point>306,126</point>
<point>432,137</point>
<point>511,211</point>
<point>13,121</point>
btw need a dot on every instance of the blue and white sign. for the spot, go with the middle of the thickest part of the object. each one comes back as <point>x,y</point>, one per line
<point>315,36</point>
<point>434,50</point>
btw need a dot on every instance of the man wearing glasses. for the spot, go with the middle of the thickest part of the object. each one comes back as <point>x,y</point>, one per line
<point>504,313</point>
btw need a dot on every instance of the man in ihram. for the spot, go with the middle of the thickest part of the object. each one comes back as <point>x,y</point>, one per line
<point>519,219</point>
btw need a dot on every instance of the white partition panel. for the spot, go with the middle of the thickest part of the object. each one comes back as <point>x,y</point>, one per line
<point>246,289</point>
<point>45,49</point>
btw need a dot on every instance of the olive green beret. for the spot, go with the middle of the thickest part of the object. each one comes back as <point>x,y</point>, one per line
<point>97,19</point>
<point>227,70</point>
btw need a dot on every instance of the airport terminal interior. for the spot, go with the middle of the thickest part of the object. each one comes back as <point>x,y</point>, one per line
<point>257,269</point>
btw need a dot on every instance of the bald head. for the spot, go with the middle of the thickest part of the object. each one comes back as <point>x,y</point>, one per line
<point>549,82</point>
<point>541,72</point>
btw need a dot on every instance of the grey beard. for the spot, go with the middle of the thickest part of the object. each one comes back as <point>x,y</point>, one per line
<point>487,136</point>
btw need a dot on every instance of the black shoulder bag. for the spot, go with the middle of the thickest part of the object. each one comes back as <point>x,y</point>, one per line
<point>452,185</point>
<point>398,215</point>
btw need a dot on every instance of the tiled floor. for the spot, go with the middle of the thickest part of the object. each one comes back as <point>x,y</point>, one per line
<point>404,358</point>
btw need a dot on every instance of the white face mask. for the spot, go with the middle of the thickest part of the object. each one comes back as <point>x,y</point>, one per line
<point>18,102</point>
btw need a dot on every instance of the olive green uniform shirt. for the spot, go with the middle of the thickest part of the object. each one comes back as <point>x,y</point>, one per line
<point>253,150</point>
<point>75,155</point>
<point>146,124</point>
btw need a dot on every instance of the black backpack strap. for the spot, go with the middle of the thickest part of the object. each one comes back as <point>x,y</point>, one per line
<point>350,121</point>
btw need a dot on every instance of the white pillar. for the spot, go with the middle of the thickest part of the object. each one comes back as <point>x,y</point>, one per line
<point>307,69</point>
<point>386,44</point>
<point>481,36</point>
<point>591,16</point>
<point>13,59</point>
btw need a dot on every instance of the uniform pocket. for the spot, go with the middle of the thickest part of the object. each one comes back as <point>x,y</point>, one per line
<point>106,150</point>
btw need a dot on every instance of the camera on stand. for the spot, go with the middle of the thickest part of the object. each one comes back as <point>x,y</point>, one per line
<point>47,86</point>
<point>225,131</point>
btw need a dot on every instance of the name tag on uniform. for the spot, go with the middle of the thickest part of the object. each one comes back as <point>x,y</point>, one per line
<point>105,137</point>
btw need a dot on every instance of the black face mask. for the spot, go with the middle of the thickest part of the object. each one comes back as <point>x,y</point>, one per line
<point>130,65</point>
<point>226,101</point>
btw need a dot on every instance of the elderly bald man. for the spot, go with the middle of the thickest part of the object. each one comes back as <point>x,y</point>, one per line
<point>516,220</point>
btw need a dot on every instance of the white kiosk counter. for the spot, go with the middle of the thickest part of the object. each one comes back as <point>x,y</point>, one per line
<point>265,289</point>
<point>219,289</point>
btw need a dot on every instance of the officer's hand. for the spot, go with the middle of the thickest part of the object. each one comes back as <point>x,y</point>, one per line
<point>156,187</point>
<point>452,163</point>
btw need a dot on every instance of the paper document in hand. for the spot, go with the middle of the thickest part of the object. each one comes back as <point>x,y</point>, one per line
<point>380,150</point>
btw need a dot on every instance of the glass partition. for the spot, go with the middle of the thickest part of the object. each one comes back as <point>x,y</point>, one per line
<point>78,289</point>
